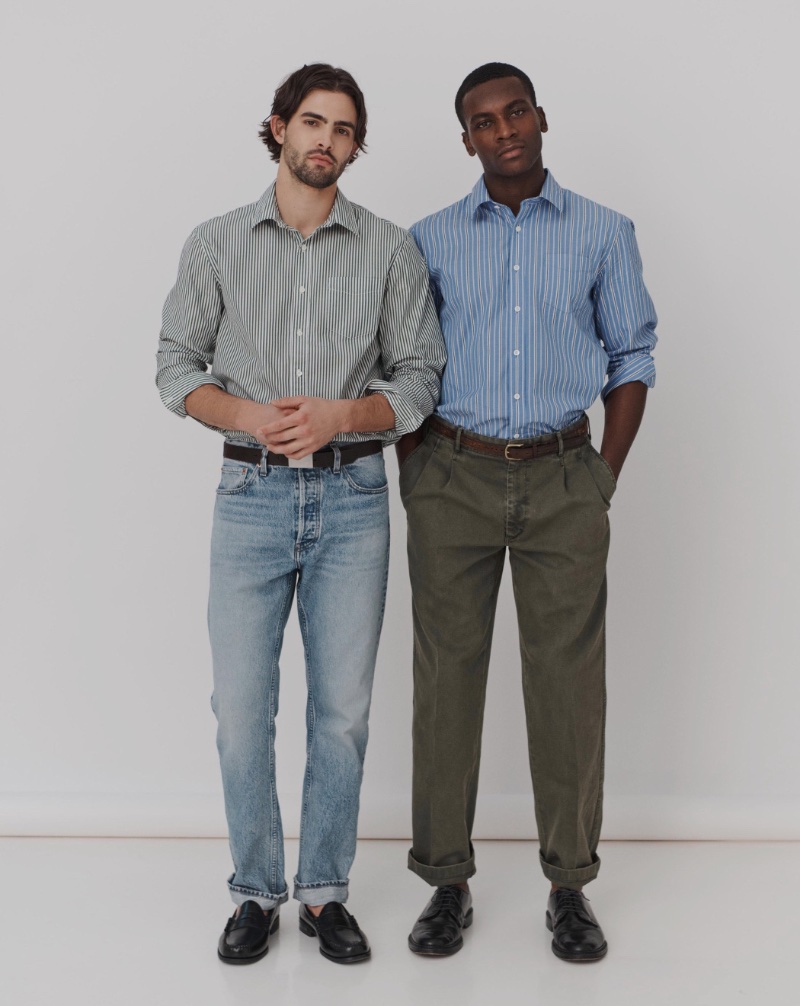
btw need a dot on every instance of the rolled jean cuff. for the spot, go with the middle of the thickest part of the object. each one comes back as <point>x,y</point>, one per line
<point>321,894</point>
<point>438,876</point>
<point>263,898</point>
<point>570,878</point>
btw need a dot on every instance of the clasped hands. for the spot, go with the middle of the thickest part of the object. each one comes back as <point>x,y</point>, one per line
<point>301,425</point>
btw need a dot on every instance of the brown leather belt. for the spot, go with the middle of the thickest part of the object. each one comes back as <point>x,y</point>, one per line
<point>320,459</point>
<point>513,450</point>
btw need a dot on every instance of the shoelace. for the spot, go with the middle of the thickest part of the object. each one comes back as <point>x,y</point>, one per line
<point>570,901</point>
<point>447,899</point>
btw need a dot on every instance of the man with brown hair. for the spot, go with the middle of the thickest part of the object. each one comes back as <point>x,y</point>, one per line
<point>316,319</point>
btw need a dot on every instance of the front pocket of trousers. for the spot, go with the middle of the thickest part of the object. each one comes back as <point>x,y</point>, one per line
<point>601,475</point>
<point>236,479</point>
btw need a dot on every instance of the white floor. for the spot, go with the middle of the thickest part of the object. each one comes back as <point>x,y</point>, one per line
<point>136,921</point>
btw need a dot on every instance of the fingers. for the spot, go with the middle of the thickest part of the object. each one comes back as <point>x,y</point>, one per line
<point>292,402</point>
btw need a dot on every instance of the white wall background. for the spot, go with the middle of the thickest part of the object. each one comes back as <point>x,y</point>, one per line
<point>125,125</point>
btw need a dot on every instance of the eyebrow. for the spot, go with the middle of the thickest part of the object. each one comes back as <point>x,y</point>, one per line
<point>321,118</point>
<point>507,108</point>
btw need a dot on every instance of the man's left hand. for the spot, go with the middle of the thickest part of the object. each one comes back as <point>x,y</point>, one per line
<point>311,423</point>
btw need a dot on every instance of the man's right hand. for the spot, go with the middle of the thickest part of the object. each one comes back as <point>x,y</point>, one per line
<point>408,443</point>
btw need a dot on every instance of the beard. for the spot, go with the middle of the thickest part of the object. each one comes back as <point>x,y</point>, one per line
<point>318,176</point>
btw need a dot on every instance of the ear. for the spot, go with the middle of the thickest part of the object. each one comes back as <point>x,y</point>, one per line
<point>465,140</point>
<point>354,153</point>
<point>542,119</point>
<point>278,127</point>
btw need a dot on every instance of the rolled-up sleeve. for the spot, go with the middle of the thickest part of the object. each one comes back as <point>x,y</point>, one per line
<point>625,317</point>
<point>190,323</point>
<point>412,347</point>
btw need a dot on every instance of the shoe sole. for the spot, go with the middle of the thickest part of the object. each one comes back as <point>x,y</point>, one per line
<point>257,957</point>
<point>309,930</point>
<point>423,951</point>
<point>587,958</point>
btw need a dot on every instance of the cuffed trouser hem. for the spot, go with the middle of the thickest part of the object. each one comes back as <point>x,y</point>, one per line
<point>570,878</point>
<point>265,900</point>
<point>438,876</point>
<point>321,894</point>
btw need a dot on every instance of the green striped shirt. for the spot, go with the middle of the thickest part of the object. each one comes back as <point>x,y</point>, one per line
<point>264,313</point>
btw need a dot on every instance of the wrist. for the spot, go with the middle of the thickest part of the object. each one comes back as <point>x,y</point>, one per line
<point>344,416</point>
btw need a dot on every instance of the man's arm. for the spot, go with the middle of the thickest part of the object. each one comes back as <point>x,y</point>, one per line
<point>626,321</point>
<point>191,320</point>
<point>215,407</point>
<point>624,411</point>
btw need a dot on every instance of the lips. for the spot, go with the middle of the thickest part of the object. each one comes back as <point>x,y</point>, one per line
<point>514,149</point>
<point>320,159</point>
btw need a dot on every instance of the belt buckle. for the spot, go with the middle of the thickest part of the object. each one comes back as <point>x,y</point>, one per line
<point>306,462</point>
<point>505,452</point>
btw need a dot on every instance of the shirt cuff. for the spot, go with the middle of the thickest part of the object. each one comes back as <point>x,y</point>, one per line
<point>407,416</point>
<point>640,368</point>
<point>174,394</point>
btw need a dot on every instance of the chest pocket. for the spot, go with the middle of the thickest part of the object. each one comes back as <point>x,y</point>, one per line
<point>565,282</point>
<point>353,306</point>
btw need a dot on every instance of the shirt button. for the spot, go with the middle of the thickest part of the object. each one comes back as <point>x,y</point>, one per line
<point>516,398</point>
<point>516,434</point>
<point>300,374</point>
<point>516,353</point>
<point>302,248</point>
<point>518,229</point>
<point>302,289</point>
<point>516,268</point>
<point>517,308</point>
<point>299,331</point>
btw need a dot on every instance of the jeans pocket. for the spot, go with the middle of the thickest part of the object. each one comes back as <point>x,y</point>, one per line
<point>367,475</point>
<point>236,478</point>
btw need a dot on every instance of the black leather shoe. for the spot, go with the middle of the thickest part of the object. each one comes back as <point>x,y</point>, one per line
<point>577,935</point>
<point>437,932</point>
<point>340,939</point>
<point>245,938</point>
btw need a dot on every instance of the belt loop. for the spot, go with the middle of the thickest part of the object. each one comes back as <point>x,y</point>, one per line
<point>337,459</point>
<point>263,460</point>
<point>458,440</point>
<point>560,447</point>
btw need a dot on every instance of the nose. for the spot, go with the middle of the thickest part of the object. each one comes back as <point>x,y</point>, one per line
<point>508,129</point>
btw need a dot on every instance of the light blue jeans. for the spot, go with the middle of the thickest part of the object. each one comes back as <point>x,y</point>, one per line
<point>325,532</point>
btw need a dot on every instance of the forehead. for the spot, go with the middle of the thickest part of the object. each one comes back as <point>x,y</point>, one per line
<point>334,105</point>
<point>494,95</point>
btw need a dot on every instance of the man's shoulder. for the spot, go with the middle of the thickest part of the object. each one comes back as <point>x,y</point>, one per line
<point>589,209</point>
<point>377,228</point>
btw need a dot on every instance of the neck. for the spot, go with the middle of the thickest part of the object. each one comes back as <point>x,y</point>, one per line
<point>511,191</point>
<point>301,206</point>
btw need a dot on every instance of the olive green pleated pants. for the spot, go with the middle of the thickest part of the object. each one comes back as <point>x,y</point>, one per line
<point>464,510</point>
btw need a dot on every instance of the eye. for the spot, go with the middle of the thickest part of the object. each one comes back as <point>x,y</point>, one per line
<point>311,122</point>
<point>343,131</point>
<point>519,111</point>
<point>481,125</point>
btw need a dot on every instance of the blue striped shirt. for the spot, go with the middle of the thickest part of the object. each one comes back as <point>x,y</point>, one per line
<point>536,309</point>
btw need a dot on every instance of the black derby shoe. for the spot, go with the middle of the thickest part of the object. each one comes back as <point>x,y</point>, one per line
<point>340,939</point>
<point>245,938</point>
<point>437,932</point>
<point>577,935</point>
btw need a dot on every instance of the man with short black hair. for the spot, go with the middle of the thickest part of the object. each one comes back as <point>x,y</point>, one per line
<point>541,299</point>
<point>316,319</point>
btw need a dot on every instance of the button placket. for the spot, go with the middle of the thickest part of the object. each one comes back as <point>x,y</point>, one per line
<point>300,326</point>
<point>517,313</point>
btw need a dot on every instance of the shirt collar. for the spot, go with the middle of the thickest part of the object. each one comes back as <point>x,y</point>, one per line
<point>551,191</point>
<point>341,213</point>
